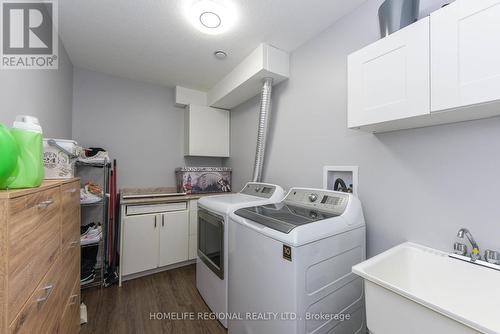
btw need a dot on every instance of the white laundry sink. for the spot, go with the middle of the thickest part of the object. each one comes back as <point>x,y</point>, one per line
<point>415,289</point>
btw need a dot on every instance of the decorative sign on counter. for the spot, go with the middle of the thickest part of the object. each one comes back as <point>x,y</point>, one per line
<point>199,180</point>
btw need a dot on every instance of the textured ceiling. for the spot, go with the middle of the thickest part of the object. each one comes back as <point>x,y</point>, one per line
<point>151,40</point>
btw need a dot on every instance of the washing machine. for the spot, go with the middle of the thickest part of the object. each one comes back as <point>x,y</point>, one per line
<point>290,265</point>
<point>212,262</point>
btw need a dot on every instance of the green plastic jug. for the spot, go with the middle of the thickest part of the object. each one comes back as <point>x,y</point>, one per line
<point>9,154</point>
<point>29,171</point>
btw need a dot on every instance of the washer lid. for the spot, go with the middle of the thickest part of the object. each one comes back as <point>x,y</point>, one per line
<point>283,217</point>
<point>253,194</point>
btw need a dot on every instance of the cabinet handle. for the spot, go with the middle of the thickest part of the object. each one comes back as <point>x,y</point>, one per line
<point>71,191</point>
<point>48,291</point>
<point>45,204</point>
<point>72,299</point>
<point>155,221</point>
<point>162,220</point>
<point>73,243</point>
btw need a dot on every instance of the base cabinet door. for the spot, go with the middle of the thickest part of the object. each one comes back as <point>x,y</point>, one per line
<point>193,247</point>
<point>389,80</point>
<point>174,237</point>
<point>465,54</point>
<point>193,229</point>
<point>140,243</point>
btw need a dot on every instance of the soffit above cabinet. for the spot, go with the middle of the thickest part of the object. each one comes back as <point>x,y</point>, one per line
<point>243,82</point>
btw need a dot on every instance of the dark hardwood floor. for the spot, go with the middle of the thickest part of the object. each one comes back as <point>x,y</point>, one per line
<point>129,309</point>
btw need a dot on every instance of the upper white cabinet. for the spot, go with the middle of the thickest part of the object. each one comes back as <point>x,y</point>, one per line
<point>206,131</point>
<point>389,79</point>
<point>441,69</point>
<point>465,54</point>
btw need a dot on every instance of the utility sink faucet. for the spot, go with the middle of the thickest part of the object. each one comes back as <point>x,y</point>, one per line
<point>475,254</point>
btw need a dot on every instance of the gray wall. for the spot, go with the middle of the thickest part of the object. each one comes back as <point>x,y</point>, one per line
<point>46,94</point>
<point>137,122</point>
<point>420,185</point>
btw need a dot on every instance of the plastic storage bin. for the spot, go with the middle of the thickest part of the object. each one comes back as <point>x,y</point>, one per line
<point>199,180</point>
<point>58,163</point>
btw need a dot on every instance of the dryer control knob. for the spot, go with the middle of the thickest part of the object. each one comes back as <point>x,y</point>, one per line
<point>313,197</point>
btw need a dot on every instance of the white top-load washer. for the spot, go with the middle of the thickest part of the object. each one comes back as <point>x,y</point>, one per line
<point>213,217</point>
<point>290,265</point>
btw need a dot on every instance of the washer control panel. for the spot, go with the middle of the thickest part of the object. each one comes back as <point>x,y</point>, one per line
<point>324,200</point>
<point>259,189</point>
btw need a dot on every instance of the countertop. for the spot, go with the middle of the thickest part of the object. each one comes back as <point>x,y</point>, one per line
<point>46,184</point>
<point>155,199</point>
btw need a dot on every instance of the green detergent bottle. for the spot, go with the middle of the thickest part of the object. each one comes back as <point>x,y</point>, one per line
<point>29,171</point>
<point>9,154</point>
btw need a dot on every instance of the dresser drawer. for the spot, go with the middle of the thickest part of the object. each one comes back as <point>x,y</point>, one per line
<point>71,269</point>
<point>42,312</point>
<point>70,321</point>
<point>70,193</point>
<point>34,241</point>
<point>70,215</point>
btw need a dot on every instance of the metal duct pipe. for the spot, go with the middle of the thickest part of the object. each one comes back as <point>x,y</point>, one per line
<point>265,108</point>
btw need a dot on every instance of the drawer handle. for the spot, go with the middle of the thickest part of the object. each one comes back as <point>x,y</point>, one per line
<point>45,204</point>
<point>72,299</point>
<point>48,291</point>
<point>71,191</point>
<point>73,243</point>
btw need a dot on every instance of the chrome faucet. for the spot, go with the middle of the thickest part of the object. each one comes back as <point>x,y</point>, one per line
<point>475,253</point>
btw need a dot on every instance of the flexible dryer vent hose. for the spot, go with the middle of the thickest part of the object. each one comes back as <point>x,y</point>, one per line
<point>265,109</point>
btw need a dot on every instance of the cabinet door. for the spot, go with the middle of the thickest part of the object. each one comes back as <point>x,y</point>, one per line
<point>465,54</point>
<point>174,235</point>
<point>140,243</point>
<point>193,229</point>
<point>207,131</point>
<point>193,247</point>
<point>389,79</point>
<point>193,217</point>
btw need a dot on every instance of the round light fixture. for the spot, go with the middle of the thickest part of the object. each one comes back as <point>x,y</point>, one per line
<point>219,54</point>
<point>211,16</point>
<point>210,20</point>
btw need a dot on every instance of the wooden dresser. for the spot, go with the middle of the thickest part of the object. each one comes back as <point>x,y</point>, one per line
<point>40,259</point>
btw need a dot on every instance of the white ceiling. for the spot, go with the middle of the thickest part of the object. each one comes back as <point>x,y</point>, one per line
<point>151,40</point>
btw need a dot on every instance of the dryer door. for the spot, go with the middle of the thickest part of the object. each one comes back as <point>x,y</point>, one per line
<point>211,241</point>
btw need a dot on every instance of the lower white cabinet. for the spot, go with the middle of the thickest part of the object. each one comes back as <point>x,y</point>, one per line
<point>140,241</point>
<point>154,240</point>
<point>193,229</point>
<point>174,233</point>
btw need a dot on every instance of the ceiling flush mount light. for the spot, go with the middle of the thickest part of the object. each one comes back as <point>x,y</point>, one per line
<point>219,54</point>
<point>210,20</point>
<point>211,16</point>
